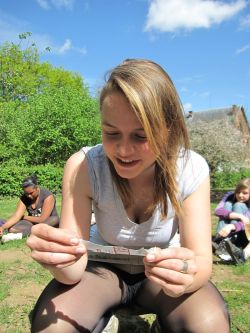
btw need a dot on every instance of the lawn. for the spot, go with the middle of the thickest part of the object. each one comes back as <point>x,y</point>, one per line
<point>22,280</point>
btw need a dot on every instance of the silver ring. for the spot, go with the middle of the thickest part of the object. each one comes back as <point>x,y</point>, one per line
<point>184,269</point>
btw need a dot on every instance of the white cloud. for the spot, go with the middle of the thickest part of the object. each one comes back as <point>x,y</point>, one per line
<point>65,47</point>
<point>172,15</point>
<point>245,22</point>
<point>47,4</point>
<point>43,3</point>
<point>68,4</point>
<point>11,27</point>
<point>243,49</point>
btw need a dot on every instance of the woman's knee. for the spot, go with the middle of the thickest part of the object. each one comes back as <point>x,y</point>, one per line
<point>23,227</point>
<point>95,294</point>
<point>53,313</point>
<point>240,207</point>
<point>221,224</point>
<point>53,221</point>
<point>204,311</point>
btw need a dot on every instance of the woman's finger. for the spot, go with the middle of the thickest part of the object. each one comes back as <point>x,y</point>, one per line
<point>170,253</point>
<point>169,275</point>
<point>57,235</point>
<point>170,289</point>
<point>51,258</point>
<point>177,265</point>
<point>43,245</point>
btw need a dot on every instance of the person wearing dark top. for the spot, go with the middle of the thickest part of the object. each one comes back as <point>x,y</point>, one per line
<point>36,205</point>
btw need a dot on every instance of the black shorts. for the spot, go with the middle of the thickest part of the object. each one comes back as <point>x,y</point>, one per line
<point>130,283</point>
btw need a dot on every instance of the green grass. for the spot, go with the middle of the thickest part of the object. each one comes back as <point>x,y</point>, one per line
<point>8,206</point>
<point>22,280</point>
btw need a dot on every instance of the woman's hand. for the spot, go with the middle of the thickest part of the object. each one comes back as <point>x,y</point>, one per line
<point>55,247</point>
<point>225,231</point>
<point>173,269</point>
<point>245,219</point>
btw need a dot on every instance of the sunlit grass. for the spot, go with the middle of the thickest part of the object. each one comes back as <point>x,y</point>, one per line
<point>21,273</point>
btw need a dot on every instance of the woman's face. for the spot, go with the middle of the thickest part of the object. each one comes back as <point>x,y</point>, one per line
<point>124,139</point>
<point>243,195</point>
<point>31,192</point>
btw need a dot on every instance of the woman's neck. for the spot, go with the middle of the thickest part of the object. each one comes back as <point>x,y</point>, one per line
<point>145,179</point>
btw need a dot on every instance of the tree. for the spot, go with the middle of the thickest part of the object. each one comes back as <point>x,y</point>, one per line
<point>18,70</point>
<point>22,75</point>
<point>46,113</point>
<point>65,120</point>
<point>220,142</point>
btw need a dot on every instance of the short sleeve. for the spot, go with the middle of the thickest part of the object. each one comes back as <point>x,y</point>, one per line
<point>192,170</point>
<point>100,177</point>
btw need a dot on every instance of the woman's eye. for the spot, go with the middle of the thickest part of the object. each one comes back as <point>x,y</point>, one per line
<point>141,137</point>
<point>112,134</point>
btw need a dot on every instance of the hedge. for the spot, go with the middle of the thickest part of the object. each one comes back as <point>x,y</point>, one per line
<point>228,180</point>
<point>50,177</point>
<point>11,178</point>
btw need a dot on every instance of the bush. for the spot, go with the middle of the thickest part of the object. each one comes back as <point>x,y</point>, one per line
<point>228,180</point>
<point>47,113</point>
<point>11,178</point>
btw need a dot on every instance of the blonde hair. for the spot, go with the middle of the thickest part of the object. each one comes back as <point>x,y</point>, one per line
<point>155,101</point>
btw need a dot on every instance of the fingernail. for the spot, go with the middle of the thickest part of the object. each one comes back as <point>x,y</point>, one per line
<point>150,257</point>
<point>74,241</point>
<point>80,250</point>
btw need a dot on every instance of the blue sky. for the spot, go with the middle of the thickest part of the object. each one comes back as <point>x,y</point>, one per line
<point>203,45</point>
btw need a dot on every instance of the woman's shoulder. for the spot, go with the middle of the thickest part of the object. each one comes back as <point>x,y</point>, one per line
<point>191,160</point>
<point>93,151</point>
<point>77,160</point>
<point>192,169</point>
<point>45,192</point>
<point>229,196</point>
<point>96,157</point>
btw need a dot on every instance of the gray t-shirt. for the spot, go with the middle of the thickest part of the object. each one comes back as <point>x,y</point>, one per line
<point>37,210</point>
<point>113,225</point>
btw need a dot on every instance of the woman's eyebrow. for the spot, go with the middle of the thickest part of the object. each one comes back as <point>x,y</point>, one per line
<point>105,123</point>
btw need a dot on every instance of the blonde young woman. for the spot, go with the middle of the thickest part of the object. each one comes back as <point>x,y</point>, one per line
<point>144,184</point>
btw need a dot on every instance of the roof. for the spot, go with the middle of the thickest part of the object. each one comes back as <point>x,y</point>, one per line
<point>215,114</point>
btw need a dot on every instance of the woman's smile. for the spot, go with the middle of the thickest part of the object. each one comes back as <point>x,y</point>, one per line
<point>127,163</point>
<point>124,139</point>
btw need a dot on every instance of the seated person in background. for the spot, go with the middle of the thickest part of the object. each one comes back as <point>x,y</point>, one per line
<point>233,212</point>
<point>36,205</point>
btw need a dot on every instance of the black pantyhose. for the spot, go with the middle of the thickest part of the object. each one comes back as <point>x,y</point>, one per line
<point>201,312</point>
<point>79,308</point>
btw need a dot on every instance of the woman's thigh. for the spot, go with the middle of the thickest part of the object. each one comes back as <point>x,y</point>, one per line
<point>203,311</point>
<point>53,221</point>
<point>22,226</point>
<point>77,308</point>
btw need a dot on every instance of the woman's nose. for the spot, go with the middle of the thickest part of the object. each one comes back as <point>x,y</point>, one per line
<point>125,147</point>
